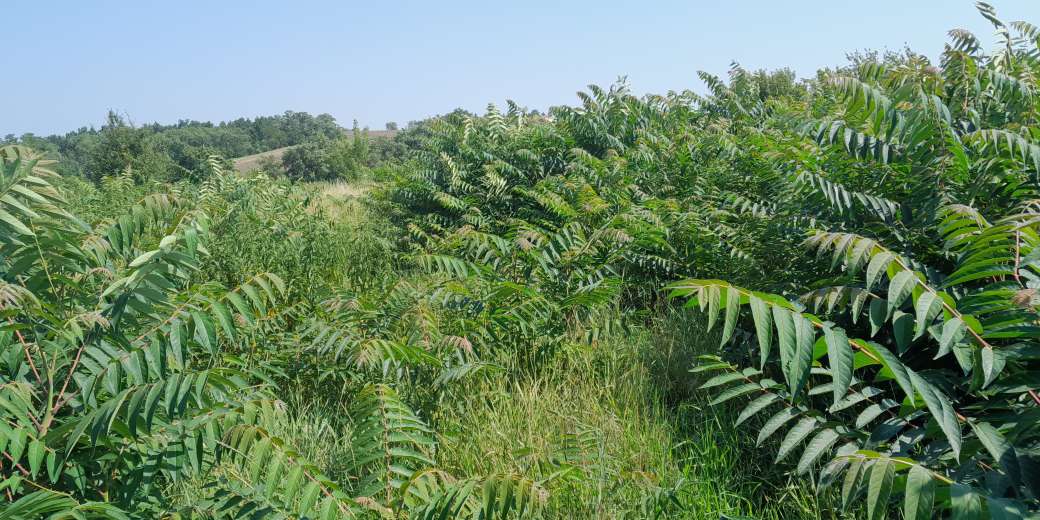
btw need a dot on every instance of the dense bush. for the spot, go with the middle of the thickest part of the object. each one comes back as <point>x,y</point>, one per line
<point>325,159</point>
<point>916,182</point>
<point>126,370</point>
<point>924,180</point>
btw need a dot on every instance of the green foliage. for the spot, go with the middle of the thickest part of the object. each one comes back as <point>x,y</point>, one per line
<point>389,443</point>
<point>271,227</point>
<point>477,331</point>
<point>896,153</point>
<point>177,151</point>
<point>127,368</point>
<point>104,345</point>
<point>934,409</point>
<point>329,159</point>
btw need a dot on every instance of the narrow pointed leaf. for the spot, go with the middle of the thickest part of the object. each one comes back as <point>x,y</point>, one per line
<point>920,494</point>
<point>839,354</point>
<point>879,489</point>
<point>763,328</point>
<point>819,445</point>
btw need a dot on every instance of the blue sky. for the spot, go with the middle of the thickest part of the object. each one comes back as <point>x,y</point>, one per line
<point>68,62</point>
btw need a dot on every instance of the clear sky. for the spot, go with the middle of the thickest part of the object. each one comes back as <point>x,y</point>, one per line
<point>67,62</point>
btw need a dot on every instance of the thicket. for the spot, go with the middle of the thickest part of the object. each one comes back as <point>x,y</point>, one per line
<point>324,159</point>
<point>515,321</point>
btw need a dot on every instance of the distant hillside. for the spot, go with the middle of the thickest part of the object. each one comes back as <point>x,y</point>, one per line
<point>173,151</point>
<point>249,163</point>
<point>252,162</point>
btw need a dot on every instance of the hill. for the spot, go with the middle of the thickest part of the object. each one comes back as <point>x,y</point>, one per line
<point>251,162</point>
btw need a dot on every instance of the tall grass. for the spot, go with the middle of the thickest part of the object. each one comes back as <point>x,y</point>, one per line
<point>602,426</point>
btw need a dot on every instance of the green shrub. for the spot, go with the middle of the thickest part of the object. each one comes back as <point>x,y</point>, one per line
<point>329,159</point>
<point>925,181</point>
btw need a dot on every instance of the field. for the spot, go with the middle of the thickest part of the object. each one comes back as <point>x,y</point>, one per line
<point>783,298</point>
<point>252,162</point>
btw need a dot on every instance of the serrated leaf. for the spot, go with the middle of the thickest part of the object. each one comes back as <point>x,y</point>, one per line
<point>878,313</point>
<point>13,221</point>
<point>902,330</point>
<point>872,412</point>
<point>17,443</point>
<point>309,497</point>
<point>940,408</point>
<point>36,453</point>
<point>895,369</point>
<point>709,367</point>
<point>143,259</point>
<point>713,295</point>
<point>992,363</point>
<point>831,471</point>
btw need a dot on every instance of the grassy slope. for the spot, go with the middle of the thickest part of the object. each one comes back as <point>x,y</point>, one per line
<point>249,163</point>
<point>252,162</point>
